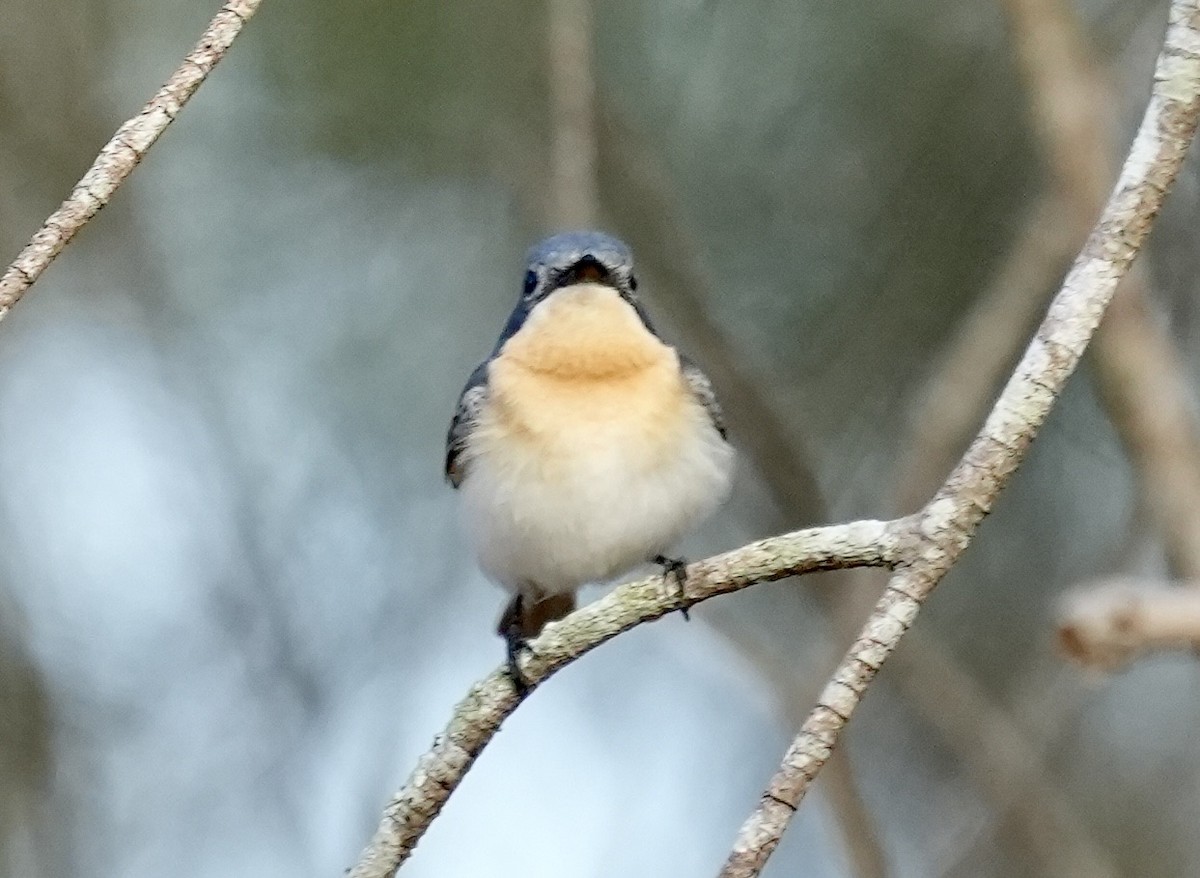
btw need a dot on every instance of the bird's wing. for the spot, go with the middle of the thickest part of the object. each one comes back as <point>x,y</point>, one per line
<point>470,401</point>
<point>702,391</point>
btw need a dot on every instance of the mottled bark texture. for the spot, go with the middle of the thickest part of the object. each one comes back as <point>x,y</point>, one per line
<point>478,716</point>
<point>943,529</point>
<point>122,153</point>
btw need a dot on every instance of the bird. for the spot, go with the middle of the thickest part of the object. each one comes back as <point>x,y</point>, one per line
<point>584,446</point>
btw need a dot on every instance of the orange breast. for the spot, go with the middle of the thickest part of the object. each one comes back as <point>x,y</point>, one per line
<point>584,378</point>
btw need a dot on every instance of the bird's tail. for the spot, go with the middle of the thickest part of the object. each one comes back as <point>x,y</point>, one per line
<point>525,618</point>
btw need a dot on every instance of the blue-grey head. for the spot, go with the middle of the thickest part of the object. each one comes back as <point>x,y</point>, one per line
<point>578,257</point>
<point>569,258</point>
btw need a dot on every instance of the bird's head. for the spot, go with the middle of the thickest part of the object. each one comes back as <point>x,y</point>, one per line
<point>570,258</point>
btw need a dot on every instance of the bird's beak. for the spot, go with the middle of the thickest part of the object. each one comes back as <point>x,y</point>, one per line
<point>586,270</point>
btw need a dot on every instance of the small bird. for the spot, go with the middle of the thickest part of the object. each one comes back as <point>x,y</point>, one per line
<point>584,446</point>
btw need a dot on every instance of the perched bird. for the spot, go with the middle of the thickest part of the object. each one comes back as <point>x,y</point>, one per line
<point>584,445</point>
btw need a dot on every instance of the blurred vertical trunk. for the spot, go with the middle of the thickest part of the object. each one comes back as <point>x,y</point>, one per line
<point>55,118</point>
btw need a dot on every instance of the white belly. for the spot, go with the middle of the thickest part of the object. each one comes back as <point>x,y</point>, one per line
<point>600,503</point>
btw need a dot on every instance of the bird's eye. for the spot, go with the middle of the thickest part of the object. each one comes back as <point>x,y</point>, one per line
<point>633,283</point>
<point>531,280</point>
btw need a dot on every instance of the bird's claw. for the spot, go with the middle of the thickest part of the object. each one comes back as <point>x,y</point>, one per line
<point>515,643</point>
<point>676,568</point>
<point>515,646</point>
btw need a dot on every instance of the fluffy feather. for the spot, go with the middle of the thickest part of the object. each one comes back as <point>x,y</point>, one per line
<point>591,453</point>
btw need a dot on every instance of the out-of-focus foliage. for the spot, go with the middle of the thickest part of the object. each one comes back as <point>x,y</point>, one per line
<point>236,602</point>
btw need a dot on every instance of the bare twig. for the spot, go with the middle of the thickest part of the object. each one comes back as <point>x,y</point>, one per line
<point>1072,105</point>
<point>572,107</point>
<point>1107,624</point>
<point>121,155</point>
<point>1140,376</point>
<point>477,718</point>
<point>946,525</point>
<point>839,786</point>
<point>1073,108</point>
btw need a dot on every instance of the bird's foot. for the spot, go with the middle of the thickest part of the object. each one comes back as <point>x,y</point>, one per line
<point>676,568</point>
<point>515,647</point>
<point>511,628</point>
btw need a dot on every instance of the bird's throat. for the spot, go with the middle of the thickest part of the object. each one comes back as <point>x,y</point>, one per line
<point>585,332</point>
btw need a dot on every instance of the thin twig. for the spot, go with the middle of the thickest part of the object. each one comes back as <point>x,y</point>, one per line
<point>477,718</point>
<point>840,791</point>
<point>1149,399</point>
<point>122,153</point>
<point>859,837</point>
<point>1107,624</point>
<point>946,525</point>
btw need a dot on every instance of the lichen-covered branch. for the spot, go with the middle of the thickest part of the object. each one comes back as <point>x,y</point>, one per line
<point>944,528</point>
<point>477,717</point>
<point>122,153</point>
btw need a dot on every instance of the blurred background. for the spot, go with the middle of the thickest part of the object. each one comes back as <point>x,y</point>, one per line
<point>235,600</point>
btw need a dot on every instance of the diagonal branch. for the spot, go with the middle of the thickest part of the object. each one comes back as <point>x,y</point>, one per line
<point>945,527</point>
<point>478,717</point>
<point>121,155</point>
<point>951,411</point>
<point>1140,374</point>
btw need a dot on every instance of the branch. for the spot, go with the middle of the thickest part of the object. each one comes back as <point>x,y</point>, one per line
<point>1147,395</point>
<point>572,107</point>
<point>863,847</point>
<point>930,678</point>
<point>840,792</point>
<point>478,717</point>
<point>121,155</point>
<point>1140,375</point>
<point>945,527</point>
<point>1113,622</point>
